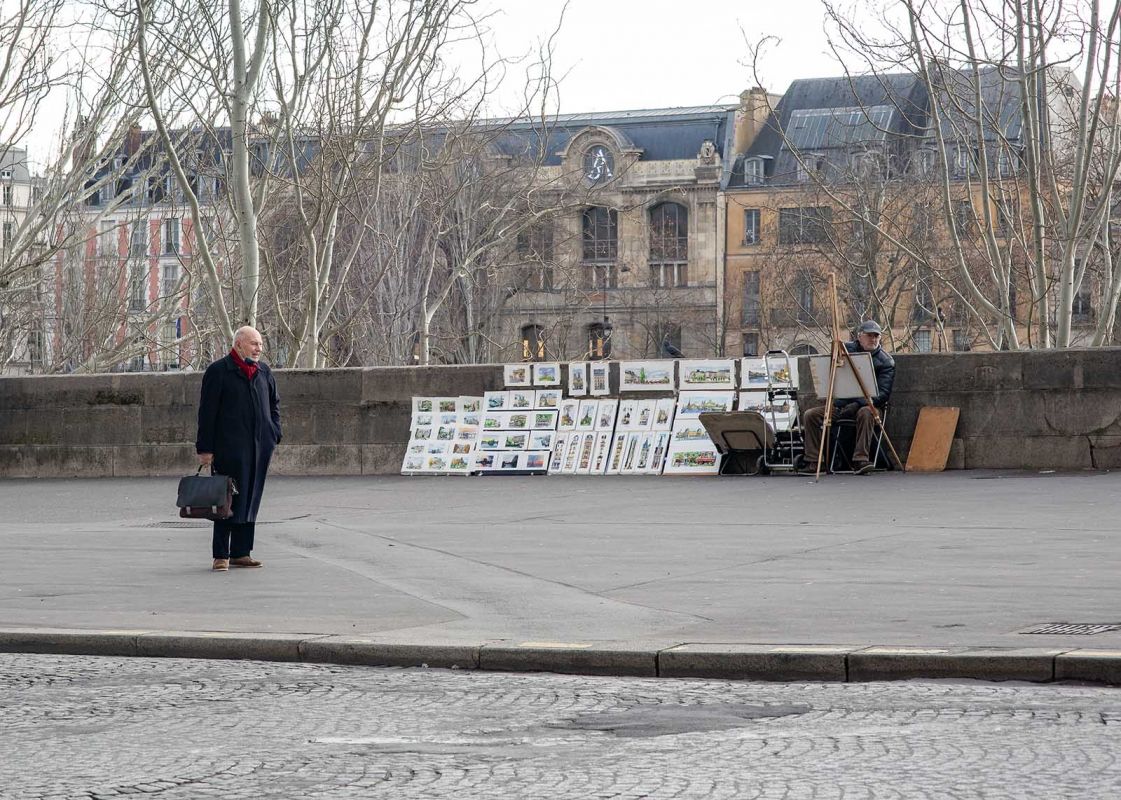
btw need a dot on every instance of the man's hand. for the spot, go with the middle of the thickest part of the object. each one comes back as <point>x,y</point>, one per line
<point>206,459</point>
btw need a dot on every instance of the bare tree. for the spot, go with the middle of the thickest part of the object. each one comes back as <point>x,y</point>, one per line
<point>1025,153</point>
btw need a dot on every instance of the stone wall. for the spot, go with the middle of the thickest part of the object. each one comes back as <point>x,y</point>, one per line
<point>1030,410</point>
<point>1057,409</point>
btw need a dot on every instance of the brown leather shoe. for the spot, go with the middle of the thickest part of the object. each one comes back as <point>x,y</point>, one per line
<point>244,561</point>
<point>221,565</point>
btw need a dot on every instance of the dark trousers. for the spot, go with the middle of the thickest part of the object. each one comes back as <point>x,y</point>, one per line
<point>814,420</point>
<point>232,539</point>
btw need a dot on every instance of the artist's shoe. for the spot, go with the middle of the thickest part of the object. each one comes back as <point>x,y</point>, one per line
<point>862,467</point>
<point>221,565</point>
<point>802,467</point>
<point>244,561</point>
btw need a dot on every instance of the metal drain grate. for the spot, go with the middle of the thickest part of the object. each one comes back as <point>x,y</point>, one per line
<point>1074,628</point>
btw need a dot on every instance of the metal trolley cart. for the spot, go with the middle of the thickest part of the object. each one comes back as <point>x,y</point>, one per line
<point>759,442</point>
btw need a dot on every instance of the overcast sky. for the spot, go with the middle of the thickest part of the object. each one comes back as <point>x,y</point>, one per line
<point>628,54</point>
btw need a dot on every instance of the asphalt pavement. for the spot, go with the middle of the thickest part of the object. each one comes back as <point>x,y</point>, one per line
<point>847,578</point>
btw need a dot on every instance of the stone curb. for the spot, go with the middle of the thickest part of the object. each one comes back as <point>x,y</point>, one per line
<point>736,661</point>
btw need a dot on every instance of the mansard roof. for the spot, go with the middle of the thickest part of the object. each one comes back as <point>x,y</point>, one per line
<point>662,134</point>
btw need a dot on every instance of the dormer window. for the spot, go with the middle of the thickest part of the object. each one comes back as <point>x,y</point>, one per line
<point>865,164</point>
<point>812,164</point>
<point>753,171</point>
<point>5,174</point>
<point>599,164</point>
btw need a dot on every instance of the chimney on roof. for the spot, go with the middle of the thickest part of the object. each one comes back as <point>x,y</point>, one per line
<point>750,117</point>
<point>132,143</point>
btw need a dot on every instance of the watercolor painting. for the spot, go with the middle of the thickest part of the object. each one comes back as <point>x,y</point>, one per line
<point>535,461</point>
<point>516,375</point>
<point>546,374</point>
<point>547,398</point>
<point>615,459</point>
<point>483,461</point>
<point>521,399</point>
<point>541,440</point>
<point>586,415</point>
<point>645,412</point>
<point>568,411</point>
<point>628,415</point>
<point>560,447</point>
<point>753,373</point>
<point>422,405</point>
<point>496,401</point>
<point>600,452</point>
<point>690,404</point>
<point>494,421</point>
<point>645,376</point>
<point>517,420</point>
<point>605,415</point>
<point>663,413</point>
<point>707,374</point>
<point>599,378</point>
<point>544,420</point>
<point>577,378</point>
<point>468,405</point>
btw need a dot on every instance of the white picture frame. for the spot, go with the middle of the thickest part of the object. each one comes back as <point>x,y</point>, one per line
<point>517,375</point>
<point>560,447</point>
<point>535,460</point>
<point>645,418</point>
<point>547,399</point>
<point>692,404</point>
<point>577,378</point>
<point>707,374</point>
<point>494,420</point>
<point>509,460</point>
<point>423,405</point>
<point>572,454</point>
<point>646,376</point>
<point>543,419</point>
<point>630,453</point>
<point>615,456</point>
<point>661,448</point>
<point>627,415</point>
<point>753,373</point>
<point>484,461</point>
<point>495,401</point>
<point>586,415</point>
<point>468,404</point>
<point>605,414</point>
<point>542,440</point>
<point>645,453</point>
<point>664,412</point>
<point>413,462</point>
<point>421,419</point>
<point>514,440</point>
<point>568,411</point>
<point>423,433</point>
<point>702,459</point>
<point>519,420</point>
<point>521,400</point>
<point>599,378</point>
<point>601,452</point>
<point>490,440</point>
<point>546,373</point>
<point>587,448</point>
<point>445,405</point>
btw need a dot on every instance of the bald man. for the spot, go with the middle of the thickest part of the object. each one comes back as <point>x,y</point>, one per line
<point>239,426</point>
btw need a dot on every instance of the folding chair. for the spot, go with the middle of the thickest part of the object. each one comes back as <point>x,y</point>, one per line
<point>842,442</point>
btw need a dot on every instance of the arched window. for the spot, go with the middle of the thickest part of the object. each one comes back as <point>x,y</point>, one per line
<point>803,350</point>
<point>599,340</point>
<point>600,246</point>
<point>669,245</point>
<point>533,343</point>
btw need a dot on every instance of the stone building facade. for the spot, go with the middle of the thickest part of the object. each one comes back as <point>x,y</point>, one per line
<point>633,266</point>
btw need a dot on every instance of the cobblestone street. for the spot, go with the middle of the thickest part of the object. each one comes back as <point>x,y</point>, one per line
<point>104,727</point>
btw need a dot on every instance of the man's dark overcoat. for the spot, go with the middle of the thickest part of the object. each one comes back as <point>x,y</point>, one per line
<point>239,422</point>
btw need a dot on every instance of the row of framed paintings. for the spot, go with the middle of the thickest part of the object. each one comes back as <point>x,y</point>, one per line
<point>522,399</point>
<point>499,461</point>
<point>593,377</point>
<point>442,435</point>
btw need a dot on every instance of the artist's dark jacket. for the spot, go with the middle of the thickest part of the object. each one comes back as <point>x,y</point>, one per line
<point>884,365</point>
<point>239,422</point>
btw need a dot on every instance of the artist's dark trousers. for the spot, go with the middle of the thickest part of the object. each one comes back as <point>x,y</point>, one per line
<point>232,539</point>
<point>814,420</point>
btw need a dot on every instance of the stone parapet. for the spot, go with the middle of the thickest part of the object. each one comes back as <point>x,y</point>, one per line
<point>1023,410</point>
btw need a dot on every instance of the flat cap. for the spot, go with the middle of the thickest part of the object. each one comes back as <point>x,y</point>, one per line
<point>869,326</point>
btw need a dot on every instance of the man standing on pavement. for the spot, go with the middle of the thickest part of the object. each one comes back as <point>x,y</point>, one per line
<point>239,426</point>
<point>868,341</point>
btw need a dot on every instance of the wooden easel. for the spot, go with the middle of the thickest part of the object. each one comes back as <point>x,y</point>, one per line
<point>837,356</point>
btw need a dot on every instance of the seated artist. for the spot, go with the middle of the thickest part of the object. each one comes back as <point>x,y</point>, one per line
<point>867,341</point>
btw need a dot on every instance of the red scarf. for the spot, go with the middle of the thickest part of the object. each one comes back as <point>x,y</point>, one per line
<point>247,369</point>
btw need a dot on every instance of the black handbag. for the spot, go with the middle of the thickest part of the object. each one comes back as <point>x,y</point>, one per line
<point>206,496</point>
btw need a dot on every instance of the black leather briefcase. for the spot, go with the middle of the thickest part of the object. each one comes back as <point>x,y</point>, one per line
<point>206,496</point>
